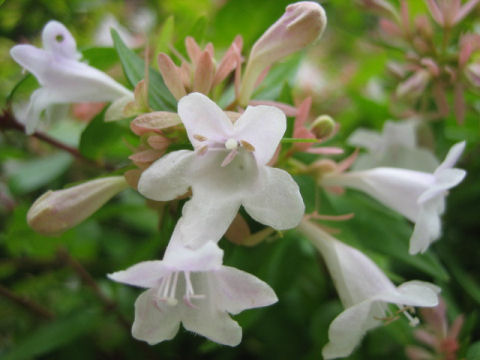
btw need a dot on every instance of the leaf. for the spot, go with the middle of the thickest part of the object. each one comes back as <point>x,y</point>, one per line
<point>165,38</point>
<point>33,174</point>
<point>159,97</point>
<point>473,352</point>
<point>104,139</point>
<point>101,58</point>
<point>52,336</point>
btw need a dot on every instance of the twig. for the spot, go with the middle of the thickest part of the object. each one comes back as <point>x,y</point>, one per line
<point>8,121</point>
<point>108,304</point>
<point>28,304</point>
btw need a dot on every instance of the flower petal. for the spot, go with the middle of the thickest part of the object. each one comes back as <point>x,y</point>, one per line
<point>145,274</point>
<point>59,41</point>
<point>263,127</point>
<point>39,101</point>
<point>154,324</point>
<point>179,258</point>
<point>33,59</point>
<point>413,293</point>
<point>347,329</point>
<point>277,201</point>
<point>166,178</point>
<point>207,319</point>
<point>444,180</point>
<point>367,139</point>
<point>238,290</point>
<point>427,227</point>
<point>452,156</point>
<point>202,117</point>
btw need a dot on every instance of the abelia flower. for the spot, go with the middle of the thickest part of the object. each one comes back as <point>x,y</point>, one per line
<point>396,146</point>
<point>227,169</point>
<point>192,287</point>
<point>365,292</point>
<point>63,78</point>
<point>419,196</point>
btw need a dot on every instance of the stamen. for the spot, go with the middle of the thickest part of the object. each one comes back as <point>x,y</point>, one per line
<point>202,150</point>
<point>231,144</point>
<point>247,146</point>
<point>229,158</point>
<point>199,137</point>
<point>189,292</point>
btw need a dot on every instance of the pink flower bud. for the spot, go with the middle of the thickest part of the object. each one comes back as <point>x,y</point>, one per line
<point>301,24</point>
<point>57,211</point>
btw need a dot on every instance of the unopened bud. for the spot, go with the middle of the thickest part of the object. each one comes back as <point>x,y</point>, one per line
<point>323,127</point>
<point>414,86</point>
<point>57,211</point>
<point>301,24</point>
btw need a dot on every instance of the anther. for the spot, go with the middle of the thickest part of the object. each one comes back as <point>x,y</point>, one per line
<point>202,150</point>
<point>199,137</point>
<point>247,146</point>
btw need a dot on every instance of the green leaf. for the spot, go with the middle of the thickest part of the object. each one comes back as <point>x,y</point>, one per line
<point>101,58</point>
<point>104,139</point>
<point>33,174</point>
<point>159,96</point>
<point>52,336</point>
<point>165,38</point>
<point>473,352</point>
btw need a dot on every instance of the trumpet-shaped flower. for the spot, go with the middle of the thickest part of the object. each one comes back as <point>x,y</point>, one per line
<point>419,196</point>
<point>364,291</point>
<point>396,146</point>
<point>63,78</point>
<point>227,169</point>
<point>192,287</point>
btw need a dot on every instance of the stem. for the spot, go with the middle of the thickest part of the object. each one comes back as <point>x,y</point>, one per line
<point>8,121</point>
<point>28,304</point>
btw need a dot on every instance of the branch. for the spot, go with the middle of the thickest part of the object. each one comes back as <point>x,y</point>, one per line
<point>28,304</point>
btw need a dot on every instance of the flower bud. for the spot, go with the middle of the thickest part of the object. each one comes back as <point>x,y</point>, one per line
<point>57,211</point>
<point>323,127</point>
<point>301,24</point>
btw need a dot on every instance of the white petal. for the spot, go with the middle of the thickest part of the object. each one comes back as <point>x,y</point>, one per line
<point>263,127</point>
<point>276,201</point>
<point>207,319</point>
<point>347,329</point>
<point>413,293</point>
<point>179,258</point>
<point>33,59</point>
<point>146,274</point>
<point>398,189</point>
<point>237,290</point>
<point>167,178</point>
<point>367,139</point>
<point>39,101</point>
<point>427,227</point>
<point>154,324</point>
<point>205,218</point>
<point>444,180</point>
<point>202,117</point>
<point>452,156</point>
<point>59,41</point>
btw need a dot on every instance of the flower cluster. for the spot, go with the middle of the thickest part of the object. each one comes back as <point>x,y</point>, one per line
<point>215,161</point>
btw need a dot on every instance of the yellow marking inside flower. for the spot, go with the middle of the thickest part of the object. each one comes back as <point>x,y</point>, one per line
<point>199,137</point>
<point>247,146</point>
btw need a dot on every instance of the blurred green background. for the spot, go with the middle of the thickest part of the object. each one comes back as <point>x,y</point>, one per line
<point>75,322</point>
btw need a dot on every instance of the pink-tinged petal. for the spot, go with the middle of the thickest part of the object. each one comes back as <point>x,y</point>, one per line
<point>202,117</point>
<point>206,317</point>
<point>287,109</point>
<point>452,157</point>
<point>465,10</point>
<point>171,75</point>
<point>238,290</point>
<point>277,201</point>
<point>263,127</point>
<point>58,40</point>
<point>303,111</point>
<point>325,150</point>
<point>435,11</point>
<point>154,321</point>
<point>193,49</point>
<point>230,60</point>
<point>204,74</point>
<point>167,178</point>
<point>179,258</point>
<point>146,274</point>
<point>418,353</point>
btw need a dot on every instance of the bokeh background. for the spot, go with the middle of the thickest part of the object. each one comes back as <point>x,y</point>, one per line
<point>55,299</point>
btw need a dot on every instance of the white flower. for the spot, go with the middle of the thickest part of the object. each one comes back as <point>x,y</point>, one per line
<point>63,78</point>
<point>396,146</point>
<point>228,169</point>
<point>364,291</point>
<point>418,196</point>
<point>194,288</point>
